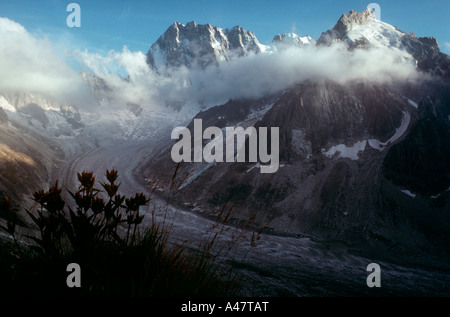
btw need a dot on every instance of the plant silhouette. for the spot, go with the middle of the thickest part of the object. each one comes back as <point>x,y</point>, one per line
<point>100,230</point>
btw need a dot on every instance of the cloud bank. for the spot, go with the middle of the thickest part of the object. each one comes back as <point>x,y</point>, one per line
<point>257,75</point>
<point>31,64</point>
<point>252,76</point>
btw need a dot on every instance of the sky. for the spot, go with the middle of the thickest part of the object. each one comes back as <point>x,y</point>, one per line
<point>111,25</point>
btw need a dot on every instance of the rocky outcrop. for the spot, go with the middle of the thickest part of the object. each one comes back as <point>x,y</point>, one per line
<point>420,162</point>
<point>35,112</point>
<point>200,45</point>
<point>344,24</point>
<point>426,52</point>
<point>291,39</point>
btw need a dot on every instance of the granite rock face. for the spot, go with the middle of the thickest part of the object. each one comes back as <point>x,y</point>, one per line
<point>200,45</point>
<point>345,24</point>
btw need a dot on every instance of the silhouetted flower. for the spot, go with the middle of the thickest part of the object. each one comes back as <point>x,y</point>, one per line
<point>118,200</point>
<point>130,219</point>
<point>111,176</point>
<point>53,199</point>
<point>38,195</point>
<point>97,205</point>
<point>131,204</point>
<point>84,202</point>
<point>140,199</point>
<point>86,179</point>
<point>111,189</point>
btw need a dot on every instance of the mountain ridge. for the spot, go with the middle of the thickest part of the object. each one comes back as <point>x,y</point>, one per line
<point>213,45</point>
<point>200,45</point>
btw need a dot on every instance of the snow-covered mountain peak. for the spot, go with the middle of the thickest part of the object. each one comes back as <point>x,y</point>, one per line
<point>200,45</point>
<point>290,39</point>
<point>363,30</point>
<point>353,18</point>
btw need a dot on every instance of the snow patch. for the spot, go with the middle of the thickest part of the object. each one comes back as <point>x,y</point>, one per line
<point>407,192</point>
<point>351,152</point>
<point>438,195</point>
<point>265,48</point>
<point>344,151</point>
<point>412,103</point>
<point>258,114</point>
<point>196,175</point>
<point>378,145</point>
<point>6,105</point>
<point>380,35</point>
<point>257,165</point>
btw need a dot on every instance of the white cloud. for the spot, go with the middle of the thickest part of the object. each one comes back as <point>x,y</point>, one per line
<point>257,75</point>
<point>30,64</point>
<point>446,47</point>
<point>126,73</point>
<point>248,77</point>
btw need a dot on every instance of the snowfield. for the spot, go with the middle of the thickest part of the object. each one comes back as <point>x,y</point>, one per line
<point>352,152</point>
